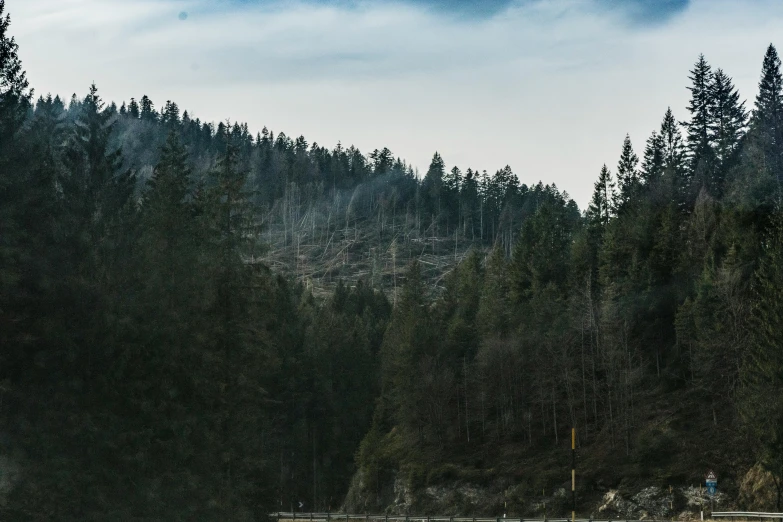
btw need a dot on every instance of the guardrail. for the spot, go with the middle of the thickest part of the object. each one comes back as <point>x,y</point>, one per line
<point>347,517</point>
<point>745,514</point>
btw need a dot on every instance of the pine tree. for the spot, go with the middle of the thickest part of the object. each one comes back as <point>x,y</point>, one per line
<point>628,181</point>
<point>168,233</point>
<point>133,109</point>
<point>507,185</point>
<point>382,161</point>
<point>452,180</point>
<point>698,142</point>
<point>95,189</point>
<point>601,205</point>
<point>653,162</point>
<point>96,194</point>
<point>469,203</point>
<point>28,211</point>
<point>768,101</point>
<point>236,294</point>
<point>168,188</point>
<point>432,185</point>
<point>673,151</point>
<point>767,120</point>
<point>148,109</point>
<point>170,115</point>
<point>14,95</point>
<point>540,255</point>
<point>162,366</point>
<point>727,126</point>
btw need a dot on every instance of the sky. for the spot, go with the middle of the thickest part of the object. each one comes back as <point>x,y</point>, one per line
<point>548,87</point>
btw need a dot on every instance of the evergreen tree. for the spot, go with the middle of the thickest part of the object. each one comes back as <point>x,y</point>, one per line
<point>382,161</point>
<point>653,162</point>
<point>767,120</point>
<point>727,126</point>
<point>601,205</point>
<point>133,109</point>
<point>673,151</point>
<point>540,254</point>
<point>147,109</point>
<point>628,182</point>
<point>432,185</point>
<point>507,185</point>
<point>14,101</point>
<point>29,250</point>
<point>698,143</point>
<point>170,115</point>
<point>14,95</point>
<point>236,295</point>
<point>96,194</point>
<point>469,203</point>
<point>94,181</point>
<point>452,180</point>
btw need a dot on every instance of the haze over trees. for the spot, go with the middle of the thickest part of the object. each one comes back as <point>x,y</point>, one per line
<point>196,322</point>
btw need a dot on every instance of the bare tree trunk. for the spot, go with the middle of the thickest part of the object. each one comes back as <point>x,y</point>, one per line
<point>483,417</point>
<point>584,378</point>
<point>611,418</point>
<point>554,414</point>
<point>593,356</point>
<point>570,395</point>
<point>467,415</point>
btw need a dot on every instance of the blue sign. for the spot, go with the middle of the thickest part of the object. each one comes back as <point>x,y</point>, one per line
<point>711,481</point>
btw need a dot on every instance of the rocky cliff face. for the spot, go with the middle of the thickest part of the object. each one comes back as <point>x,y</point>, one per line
<point>659,503</point>
<point>397,496</point>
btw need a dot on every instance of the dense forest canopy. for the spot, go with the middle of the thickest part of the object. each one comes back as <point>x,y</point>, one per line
<point>153,364</point>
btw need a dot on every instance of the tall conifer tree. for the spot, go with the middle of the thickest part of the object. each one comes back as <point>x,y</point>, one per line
<point>767,120</point>
<point>652,164</point>
<point>728,120</point>
<point>432,185</point>
<point>628,181</point>
<point>133,109</point>
<point>673,149</point>
<point>14,94</point>
<point>698,132</point>
<point>601,205</point>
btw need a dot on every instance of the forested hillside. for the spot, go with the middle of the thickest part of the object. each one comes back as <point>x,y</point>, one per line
<point>200,323</point>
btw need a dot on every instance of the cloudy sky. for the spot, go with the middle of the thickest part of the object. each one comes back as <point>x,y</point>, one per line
<point>549,87</point>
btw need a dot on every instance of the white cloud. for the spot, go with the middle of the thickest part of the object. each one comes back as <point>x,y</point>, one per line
<point>550,88</point>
